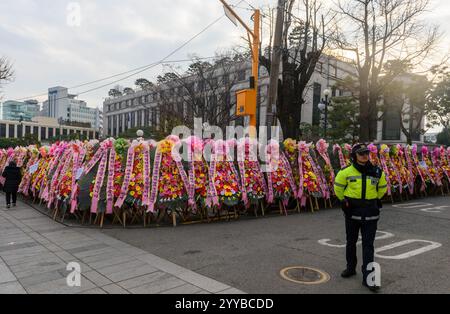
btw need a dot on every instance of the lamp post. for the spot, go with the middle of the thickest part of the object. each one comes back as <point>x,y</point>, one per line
<point>21,124</point>
<point>323,106</point>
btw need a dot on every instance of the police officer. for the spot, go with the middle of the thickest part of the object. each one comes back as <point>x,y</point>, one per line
<point>360,188</point>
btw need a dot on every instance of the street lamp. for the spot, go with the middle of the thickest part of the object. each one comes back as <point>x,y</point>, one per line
<point>323,106</point>
<point>21,123</point>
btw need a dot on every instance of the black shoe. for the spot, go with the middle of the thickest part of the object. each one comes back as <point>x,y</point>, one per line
<point>348,273</point>
<point>14,205</point>
<point>8,206</point>
<point>374,289</point>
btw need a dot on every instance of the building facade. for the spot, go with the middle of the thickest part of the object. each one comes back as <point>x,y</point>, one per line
<point>62,105</point>
<point>142,108</point>
<point>43,128</point>
<point>17,110</point>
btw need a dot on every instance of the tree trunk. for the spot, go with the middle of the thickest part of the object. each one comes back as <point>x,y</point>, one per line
<point>364,117</point>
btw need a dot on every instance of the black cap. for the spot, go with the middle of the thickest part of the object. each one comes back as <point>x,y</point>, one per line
<point>360,149</point>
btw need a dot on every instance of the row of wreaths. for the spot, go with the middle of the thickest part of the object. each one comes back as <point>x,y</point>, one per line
<point>191,180</point>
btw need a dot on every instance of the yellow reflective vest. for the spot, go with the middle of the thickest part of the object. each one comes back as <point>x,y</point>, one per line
<point>349,183</point>
<point>361,191</point>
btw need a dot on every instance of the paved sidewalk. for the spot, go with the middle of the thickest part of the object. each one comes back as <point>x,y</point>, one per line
<point>35,251</point>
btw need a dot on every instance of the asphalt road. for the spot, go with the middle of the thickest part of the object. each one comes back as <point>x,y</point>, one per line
<point>249,254</point>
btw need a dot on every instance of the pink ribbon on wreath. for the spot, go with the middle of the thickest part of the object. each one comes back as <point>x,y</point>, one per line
<point>147,166</point>
<point>241,164</point>
<point>25,184</point>
<point>419,170</point>
<point>73,202</point>
<point>425,159</point>
<point>445,161</point>
<point>320,176</point>
<point>48,193</point>
<point>337,148</point>
<point>212,199</point>
<point>110,180</point>
<point>56,160</point>
<point>155,181</point>
<point>291,180</point>
<point>411,179</point>
<point>191,191</point>
<point>177,158</point>
<point>269,195</point>
<point>263,180</point>
<point>435,159</point>
<point>193,144</point>
<point>98,154</point>
<point>55,183</point>
<point>322,148</point>
<point>99,182</point>
<point>127,176</point>
<point>302,148</point>
<point>386,171</point>
<point>397,171</point>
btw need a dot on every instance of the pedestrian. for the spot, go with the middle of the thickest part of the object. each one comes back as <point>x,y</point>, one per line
<point>360,188</point>
<point>13,177</point>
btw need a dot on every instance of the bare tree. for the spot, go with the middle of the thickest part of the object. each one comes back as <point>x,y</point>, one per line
<point>304,41</point>
<point>376,31</point>
<point>405,99</point>
<point>6,71</point>
<point>204,91</point>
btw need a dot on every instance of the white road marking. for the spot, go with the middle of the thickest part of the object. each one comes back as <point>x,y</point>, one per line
<point>431,246</point>
<point>411,205</point>
<point>437,209</point>
<point>384,235</point>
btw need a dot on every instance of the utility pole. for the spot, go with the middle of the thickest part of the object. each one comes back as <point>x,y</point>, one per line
<point>275,66</point>
<point>247,100</point>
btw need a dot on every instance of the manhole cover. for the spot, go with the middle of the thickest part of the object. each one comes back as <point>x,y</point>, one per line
<point>305,275</point>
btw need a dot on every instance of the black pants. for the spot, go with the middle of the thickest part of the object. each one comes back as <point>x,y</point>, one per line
<point>368,232</point>
<point>8,197</point>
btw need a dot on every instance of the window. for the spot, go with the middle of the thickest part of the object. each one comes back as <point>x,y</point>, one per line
<point>2,130</point>
<point>133,119</point>
<point>139,118</point>
<point>58,132</point>
<point>114,129</point>
<point>65,132</point>
<point>319,67</point>
<point>11,130</point>
<point>43,137</point>
<point>146,117</point>
<point>27,130</point>
<point>51,132</point>
<point>35,130</point>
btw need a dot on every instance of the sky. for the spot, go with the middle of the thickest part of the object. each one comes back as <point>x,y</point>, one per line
<point>50,44</point>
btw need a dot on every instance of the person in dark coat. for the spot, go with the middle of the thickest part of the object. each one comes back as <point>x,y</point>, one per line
<point>13,178</point>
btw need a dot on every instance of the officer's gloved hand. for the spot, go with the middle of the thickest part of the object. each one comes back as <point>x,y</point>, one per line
<point>345,205</point>
<point>379,203</point>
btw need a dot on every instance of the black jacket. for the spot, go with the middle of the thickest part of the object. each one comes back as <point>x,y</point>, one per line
<point>13,179</point>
